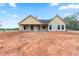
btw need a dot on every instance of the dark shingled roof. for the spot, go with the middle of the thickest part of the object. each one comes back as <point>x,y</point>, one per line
<point>40,20</point>
<point>44,21</point>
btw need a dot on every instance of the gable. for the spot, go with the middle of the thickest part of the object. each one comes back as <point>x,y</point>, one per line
<point>30,20</point>
<point>56,20</point>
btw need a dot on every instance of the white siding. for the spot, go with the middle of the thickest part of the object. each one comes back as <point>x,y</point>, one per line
<point>20,28</point>
<point>55,27</point>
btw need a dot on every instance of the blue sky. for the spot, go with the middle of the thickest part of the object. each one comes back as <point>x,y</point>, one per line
<point>12,13</point>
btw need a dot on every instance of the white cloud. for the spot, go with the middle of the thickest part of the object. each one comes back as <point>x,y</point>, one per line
<point>53,4</point>
<point>67,14</point>
<point>15,16</point>
<point>69,6</point>
<point>3,11</point>
<point>12,4</point>
<point>8,14</point>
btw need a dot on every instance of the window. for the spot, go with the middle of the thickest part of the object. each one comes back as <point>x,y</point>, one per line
<point>62,27</point>
<point>31,27</point>
<point>24,27</point>
<point>50,27</point>
<point>58,27</point>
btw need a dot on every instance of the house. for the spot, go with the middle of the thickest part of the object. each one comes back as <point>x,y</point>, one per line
<point>31,23</point>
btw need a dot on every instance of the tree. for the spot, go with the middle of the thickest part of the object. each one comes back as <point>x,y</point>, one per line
<point>76,15</point>
<point>72,22</point>
<point>0,24</point>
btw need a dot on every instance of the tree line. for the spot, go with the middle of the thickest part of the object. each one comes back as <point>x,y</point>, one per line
<point>72,21</point>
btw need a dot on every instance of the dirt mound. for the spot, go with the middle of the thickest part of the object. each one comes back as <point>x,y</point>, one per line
<point>39,43</point>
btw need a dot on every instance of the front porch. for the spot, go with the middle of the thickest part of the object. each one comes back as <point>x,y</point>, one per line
<point>34,27</point>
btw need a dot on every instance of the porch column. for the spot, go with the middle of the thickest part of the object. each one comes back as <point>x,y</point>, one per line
<point>65,28</point>
<point>29,28</point>
<point>48,27</point>
<point>41,28</point>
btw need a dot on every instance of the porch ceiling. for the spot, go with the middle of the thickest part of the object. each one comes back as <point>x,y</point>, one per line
<point>33,24</point>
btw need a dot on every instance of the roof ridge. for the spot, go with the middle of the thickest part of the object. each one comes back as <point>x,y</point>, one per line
<point>28,17</point>
<point>55,17</point>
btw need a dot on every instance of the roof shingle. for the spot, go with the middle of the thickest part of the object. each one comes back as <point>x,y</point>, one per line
<point>44,21</point>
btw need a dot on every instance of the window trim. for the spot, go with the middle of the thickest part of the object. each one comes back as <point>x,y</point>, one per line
<point>50,27</point>
<point>63,27</point>
<point>58,27</point>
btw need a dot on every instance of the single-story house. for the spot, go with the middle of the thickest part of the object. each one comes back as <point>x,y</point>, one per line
<point>31,23</point>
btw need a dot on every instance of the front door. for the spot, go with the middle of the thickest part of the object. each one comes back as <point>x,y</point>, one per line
<point>35,29</point>
<point>44,28</point>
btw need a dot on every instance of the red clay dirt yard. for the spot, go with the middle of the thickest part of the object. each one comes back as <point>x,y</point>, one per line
<point>39,44</point>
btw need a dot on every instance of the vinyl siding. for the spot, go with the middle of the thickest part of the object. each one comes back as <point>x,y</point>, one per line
<point>55,22</point>
<point>30,20</point>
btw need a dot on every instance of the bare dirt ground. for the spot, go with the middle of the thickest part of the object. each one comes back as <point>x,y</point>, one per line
<point>39,44</point>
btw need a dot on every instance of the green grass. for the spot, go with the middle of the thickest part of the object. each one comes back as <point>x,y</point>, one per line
<point>9,30</point>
